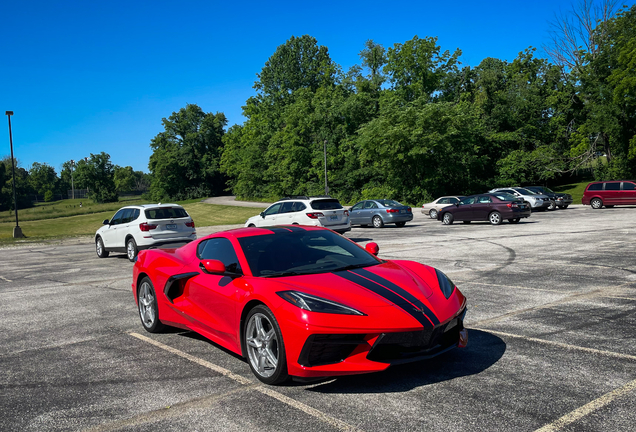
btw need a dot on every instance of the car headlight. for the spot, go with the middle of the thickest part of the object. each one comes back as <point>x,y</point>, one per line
<point>445,284</point>
<point>316,304</point>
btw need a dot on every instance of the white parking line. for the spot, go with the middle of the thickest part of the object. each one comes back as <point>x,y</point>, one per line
<point>5,279</point>
<point>588,408</point>
<point>559,344</point>
<point>332,421</point>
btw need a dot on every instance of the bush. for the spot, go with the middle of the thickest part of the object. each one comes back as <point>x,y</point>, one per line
<point>48,196</point>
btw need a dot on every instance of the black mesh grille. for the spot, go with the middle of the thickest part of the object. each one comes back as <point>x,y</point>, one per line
<point>329,349</point>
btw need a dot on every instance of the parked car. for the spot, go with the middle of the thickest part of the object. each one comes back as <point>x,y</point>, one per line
<point>610,193</point>
<point>300,302</point>
<point>303,210</point>
<point>492,207</point>
<point>561,200</point>
<point>134,228</point>
<point>380,212</point>
<point>432,208</point>
<point>536,201</point>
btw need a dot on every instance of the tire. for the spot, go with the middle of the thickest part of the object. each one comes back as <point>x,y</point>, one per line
<point>514,221</point>
<point>596,203</point>
<point>131,249</point>
<point>148,309</point>
<point>466,222</point>
<point>400,224</point>
<point>564,206</point>
<point>447,219</point>
<point>433,214</point>
<point>552,205</point>
<point>377,222</point>
<point>251,226</point>
<point>495,218</point>
<point>100,249</point>
<point>264,346</point>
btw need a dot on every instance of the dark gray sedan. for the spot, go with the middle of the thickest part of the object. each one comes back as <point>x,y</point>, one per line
<point>379,212</point>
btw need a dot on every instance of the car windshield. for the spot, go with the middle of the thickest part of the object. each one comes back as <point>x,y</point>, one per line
<point>525,191</point>
<point>326,204</point>
<point>300,252</point>
<point>389,203</point>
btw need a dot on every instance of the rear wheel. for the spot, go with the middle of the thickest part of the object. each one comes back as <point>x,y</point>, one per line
<point>264,346</point>
<point>148,309</point>
<point>494,218</point>
<point>377,222</point>
<point>400,224</point>
<point>552,206</point>
<point>596,203</point>
<point>131,249</point>
<point>514,221</point>
<point>433,214</point>
<point>100,249</point>
<point>448,219</point>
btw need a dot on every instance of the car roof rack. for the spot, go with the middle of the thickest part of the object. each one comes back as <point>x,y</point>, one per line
<point>321,196</point>
<point>291,197</point>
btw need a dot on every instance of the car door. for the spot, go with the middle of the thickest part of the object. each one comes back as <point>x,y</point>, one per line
<point>210,299</point>
<point>482,207</point>
<point>269,216</point>
<point>109,235</point>
<point>123,228</point>
<point>464,209</point>
<point>628,192</point>
<point>370,210</point>
<point>612,193</point>
<point>355,214</point>
<point>286,213</point>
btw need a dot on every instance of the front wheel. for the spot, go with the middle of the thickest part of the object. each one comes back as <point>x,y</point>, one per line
<point>447,219</point>
<point>596,203</point>
<point>148,309</point>
<point>400,224</point>
<point>552,206</point>
<point>100,249</point>
<point>131,249</point>
<point>433,214</point>
<point>265,347</point>
<point>377,222</point>
<point>495,218</point>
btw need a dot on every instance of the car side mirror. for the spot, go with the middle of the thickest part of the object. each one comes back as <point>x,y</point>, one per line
<point>106,222</point>
<point>372,248</point>
<point>212,266</point>
<point>263,215</point>
<point>456,204</point>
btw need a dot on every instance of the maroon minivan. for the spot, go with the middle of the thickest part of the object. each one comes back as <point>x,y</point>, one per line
<point>610,193</point>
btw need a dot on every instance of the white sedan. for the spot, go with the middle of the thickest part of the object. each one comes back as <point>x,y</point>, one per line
<point>433,207</point>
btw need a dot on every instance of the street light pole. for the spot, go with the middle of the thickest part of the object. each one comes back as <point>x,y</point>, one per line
<point>17,231</point>
<point>72,184</point>
<point>325,151</point>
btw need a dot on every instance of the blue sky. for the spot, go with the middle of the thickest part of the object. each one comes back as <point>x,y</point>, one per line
<point>85,77</point>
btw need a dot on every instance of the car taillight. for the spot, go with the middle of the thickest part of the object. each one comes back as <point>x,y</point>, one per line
<point>392,210</point>
<point>512,205</point>
<point>146,226</point>
<point>315,215</point>
<point>346,212</point>
<point>408,210</point>
<point>190,224</point>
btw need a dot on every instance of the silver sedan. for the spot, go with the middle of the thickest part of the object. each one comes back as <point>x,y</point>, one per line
<point>380,212</point>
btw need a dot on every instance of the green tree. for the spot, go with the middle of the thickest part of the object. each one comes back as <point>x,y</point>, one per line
<point>43,179</point>
<point>124,178</point>
<point>186,156</point>
<point>24,191</point>
<point>98,175</point>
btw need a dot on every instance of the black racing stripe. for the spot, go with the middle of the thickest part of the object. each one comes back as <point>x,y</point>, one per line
<point>387,294</point>
<point>400,291</point>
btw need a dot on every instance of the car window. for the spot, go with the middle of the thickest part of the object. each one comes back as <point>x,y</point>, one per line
<point>370,205</point>
<point>326,204</point>
<point>298,206</point>
<point>452,200</point>
<point>595,187</point>
<point>508,191</point>
<point>358,206</point>
<point>287,207</point>
<point>165,213</point>
<point>629,186</point>
<point>127,216</point>
<point>525,191</point>
<point>612,186</point>
<point>468,200</point>
<point>219,249</point>
<point>117,218</point>
<point>273,209</point>
<point>505,196</point>
<point>389,203</point>
<point>484,199</point>
<point>136,214</point>
<point>444,201</point>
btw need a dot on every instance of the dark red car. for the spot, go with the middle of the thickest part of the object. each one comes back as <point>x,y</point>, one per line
<point>610,193</point>
<point>492,207</point>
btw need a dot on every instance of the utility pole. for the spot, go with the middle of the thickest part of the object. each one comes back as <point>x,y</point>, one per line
<point>17,231</point>
<point>325,151</point>
<point>72,183</point>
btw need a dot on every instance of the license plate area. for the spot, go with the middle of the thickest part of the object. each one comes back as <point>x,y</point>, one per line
<point>171,226</point>
<point>333,217</point>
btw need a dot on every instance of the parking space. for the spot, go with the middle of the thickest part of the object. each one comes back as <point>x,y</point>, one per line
<point>551,325</point>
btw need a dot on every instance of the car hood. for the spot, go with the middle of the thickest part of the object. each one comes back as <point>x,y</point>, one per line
<point>381,285</point>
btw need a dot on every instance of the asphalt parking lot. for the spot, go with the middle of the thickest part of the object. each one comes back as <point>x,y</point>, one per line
<point>552,333</point>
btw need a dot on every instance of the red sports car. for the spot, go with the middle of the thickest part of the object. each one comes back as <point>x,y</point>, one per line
<point>300,301</point>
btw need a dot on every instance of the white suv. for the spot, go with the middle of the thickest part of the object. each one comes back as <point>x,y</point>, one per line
<point>302,210</point>
<point>143,226</point>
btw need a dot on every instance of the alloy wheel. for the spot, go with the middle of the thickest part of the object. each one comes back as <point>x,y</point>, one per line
<point>262,345</point>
